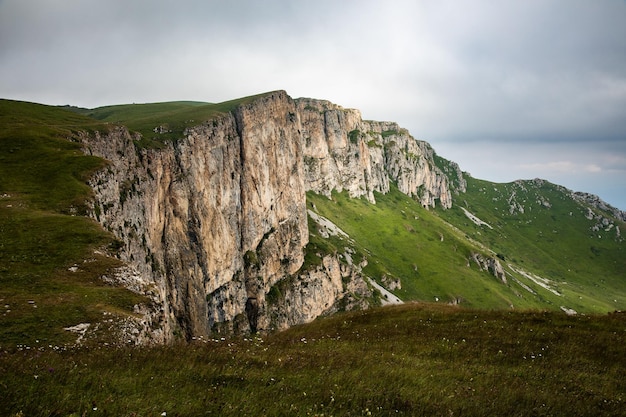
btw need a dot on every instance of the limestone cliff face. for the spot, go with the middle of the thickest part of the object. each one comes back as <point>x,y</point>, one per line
<point>302,300</point>
<point>344,152</point>
<point>213,221</point>
<point>214,225</point>
<point>488,263</point>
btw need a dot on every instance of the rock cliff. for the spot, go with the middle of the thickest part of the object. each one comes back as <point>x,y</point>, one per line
<point>214,224</point>
<point>344,152</point>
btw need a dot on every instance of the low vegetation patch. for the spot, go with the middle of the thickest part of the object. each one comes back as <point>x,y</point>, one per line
<point>413,359</point>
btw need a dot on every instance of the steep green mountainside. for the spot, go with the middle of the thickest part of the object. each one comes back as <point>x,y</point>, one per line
<point>49,270</point>
<point>545,229</point>
<point>555,250</point>
<point>402,240</point>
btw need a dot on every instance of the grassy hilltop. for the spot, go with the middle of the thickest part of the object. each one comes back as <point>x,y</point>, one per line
<point>169,118</point>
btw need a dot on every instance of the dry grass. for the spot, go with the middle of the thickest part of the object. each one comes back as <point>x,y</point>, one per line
<point>405,360</point>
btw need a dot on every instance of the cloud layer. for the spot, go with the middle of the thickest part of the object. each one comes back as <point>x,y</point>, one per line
<point>507,89</point>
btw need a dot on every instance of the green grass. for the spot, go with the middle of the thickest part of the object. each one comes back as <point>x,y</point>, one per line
<point>429,250</point>
<point>402,239</point>
<point>39,165</point>
<point>554,241</point>
<point>413,359</point>
<point>43,196</point>
<point>174,117</point>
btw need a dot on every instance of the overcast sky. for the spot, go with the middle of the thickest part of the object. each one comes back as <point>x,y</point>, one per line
<point>508,89</point>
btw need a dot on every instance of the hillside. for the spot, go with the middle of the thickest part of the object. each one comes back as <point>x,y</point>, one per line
<point>528,244</point>
<point>52,257</point>
<point>415,359</point>
<point>201,210</point>
<point>573,247</point>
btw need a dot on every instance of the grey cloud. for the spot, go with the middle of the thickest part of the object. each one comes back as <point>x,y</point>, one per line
<point>459,74</point>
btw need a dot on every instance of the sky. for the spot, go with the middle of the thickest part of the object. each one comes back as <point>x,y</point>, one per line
<point>508,89</point>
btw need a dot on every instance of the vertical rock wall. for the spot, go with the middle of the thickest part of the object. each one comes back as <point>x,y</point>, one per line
<point>344,152</point>
<point>215,223</point>
<point>213,219</point>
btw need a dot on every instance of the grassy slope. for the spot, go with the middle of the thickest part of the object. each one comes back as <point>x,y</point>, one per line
<point>404,240</point>
<point>406,360</point>
<point>42,194</point>
<point>554,241</point>
<point>429,250</point>
<point>174,116</point>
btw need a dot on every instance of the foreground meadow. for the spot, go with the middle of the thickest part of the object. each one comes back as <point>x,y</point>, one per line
<point>412,359</point>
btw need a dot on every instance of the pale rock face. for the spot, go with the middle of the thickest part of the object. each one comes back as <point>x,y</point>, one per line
<point>344,152</point>
<point>179,221</point>
<point>215,223</point>
<point>391,283</point>
<point>211,222</point>
<point>490,264</point>
<point>331,287</point>
<point>333,159</point>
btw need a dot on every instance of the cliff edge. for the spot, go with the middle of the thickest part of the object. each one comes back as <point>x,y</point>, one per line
<point>215,222</point>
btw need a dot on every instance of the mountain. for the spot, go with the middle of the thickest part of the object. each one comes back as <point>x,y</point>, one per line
<point>265,212</point>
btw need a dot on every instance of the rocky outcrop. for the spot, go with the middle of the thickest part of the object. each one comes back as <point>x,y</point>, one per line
<point>214,224</point>
<point>596,202</point>
<point>490,264</point>
<point>344,152</point>
<point>391,283</point>
<point>215,218</point>
<point>330,287</point>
